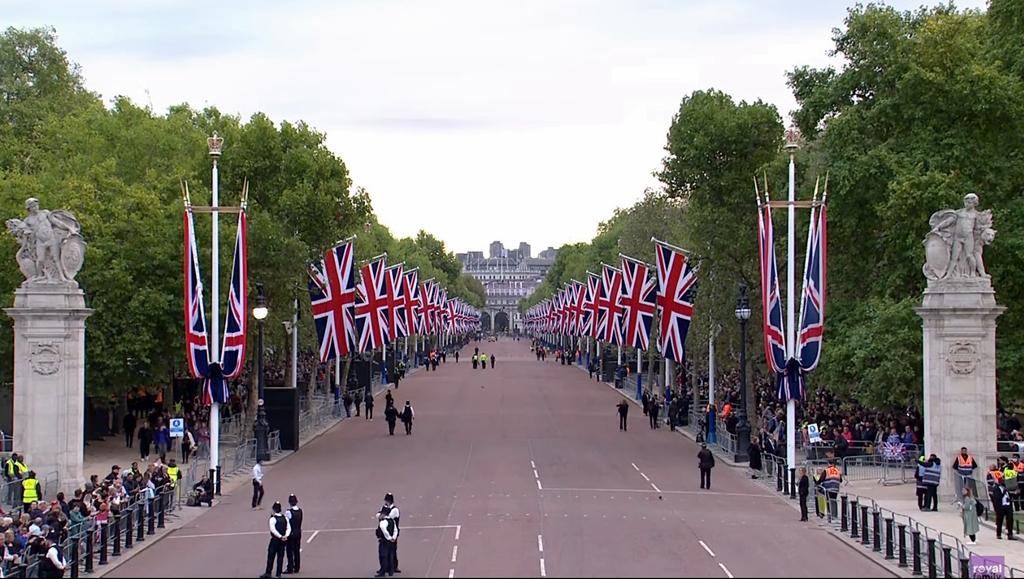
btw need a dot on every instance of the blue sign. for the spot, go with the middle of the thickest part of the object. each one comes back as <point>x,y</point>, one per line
<point>177,427</point>
<point>813,435</point>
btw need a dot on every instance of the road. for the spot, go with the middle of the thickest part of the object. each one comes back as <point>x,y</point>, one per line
<point>515,471</point>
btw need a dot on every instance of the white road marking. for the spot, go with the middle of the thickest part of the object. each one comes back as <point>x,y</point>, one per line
<point>727,573</point>
<point>451,573</point>
<point>535,475</point>
<point>311,537</point>
<point>538,485</point>
<point>706,548</point>
<point>645,477</point>
<point>532,465</point>
<point>635,466</point>
<point>655,487</point>
<point>627,491</point>
<point>540,543</point>
<point>351,530</point>
<point>458,531</point>
<point>544,572</point>
<point>455,553</point>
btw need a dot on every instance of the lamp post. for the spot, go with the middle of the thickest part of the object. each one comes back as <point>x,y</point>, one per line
<point>742,424</point>
<point>261,428</point>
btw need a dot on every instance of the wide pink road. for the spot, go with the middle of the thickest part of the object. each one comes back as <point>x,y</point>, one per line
<point>516,471</point>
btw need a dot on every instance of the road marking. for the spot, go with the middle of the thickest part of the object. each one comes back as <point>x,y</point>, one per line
<point>706,548</point>
<point>351,530</point>
<point>544,572</point>
<point>455,553</point>
<point>704,493</point>
<point>655,487</point>
<point>727,573</point>
<point>635,466</point>
<point>451,573</point>
<point>532,465</point>
<point>645,477</point>
<point>540,543</point>
<point>538,485</point>
<point>535,475</point>
<point>313,536</point>
<point>458,531</point>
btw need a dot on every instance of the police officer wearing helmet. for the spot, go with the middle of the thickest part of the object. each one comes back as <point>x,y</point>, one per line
<point>387,536</point>
<point>391,510</point>
<point>293,547</point>
<point>279,531</point>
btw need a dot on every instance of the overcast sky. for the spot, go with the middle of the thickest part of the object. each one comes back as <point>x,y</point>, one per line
<point>476,120</point>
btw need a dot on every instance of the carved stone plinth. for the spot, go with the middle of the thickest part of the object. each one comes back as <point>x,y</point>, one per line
<point>959,317</point>
<point>49,379</point>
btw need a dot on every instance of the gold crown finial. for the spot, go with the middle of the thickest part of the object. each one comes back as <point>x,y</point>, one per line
<point>216,144</point>
<point>792,139</point>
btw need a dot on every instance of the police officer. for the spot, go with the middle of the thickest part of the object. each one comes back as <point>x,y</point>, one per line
<point>395,515</point>
<point>279,531</point>
<point>387,534</point>
<point>293,548</point>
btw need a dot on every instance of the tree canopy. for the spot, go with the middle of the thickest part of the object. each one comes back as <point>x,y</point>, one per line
<point>119,169</point>
<point>926,107</point>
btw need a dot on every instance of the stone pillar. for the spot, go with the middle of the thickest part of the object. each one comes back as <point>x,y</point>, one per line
<point>959,317</point>
<point>49,380</point>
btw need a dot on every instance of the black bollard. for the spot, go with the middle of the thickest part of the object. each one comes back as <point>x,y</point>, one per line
<point>75,556</point>
<point>140,508</point>
<point>933,560</point>
<point>792,484</point>
<point>947,562</point>
<point>864,539</point>
<point>890,551</point>
<point>844,522</point>
<point>151,507</point>
<point>915,550</point>
<point>89,540</point>
<point>116,536</point>
<point>965,567</point>
<point>104,537</point>
<point>902,538</point>
<point>854,533</point>
<point>129,527</point>
<point>778,477</point>
<point>876,531</point>
<point>160,508</point>
<point>218,480</point>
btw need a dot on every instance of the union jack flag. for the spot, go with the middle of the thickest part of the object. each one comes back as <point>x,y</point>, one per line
<point>609,304</point>
<point>394,281</point>
<point>579,299</point>
<point>771,303</point>
<point>442,311</point>
<point>812,305</point>
<point>590,310</point>
<point>197,350</point>
<point>426,303</point>
<point>232,357</point>
<point>412,302</point>
<point>638,303</point>
<point>372,306</point>
<point>676,279</point>
<point>332,292</point>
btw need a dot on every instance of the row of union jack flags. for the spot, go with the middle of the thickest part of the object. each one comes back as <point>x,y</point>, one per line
<point>790,371</point>
<point>617,306</point>
<point>197,342</point>
<point>386,303</point>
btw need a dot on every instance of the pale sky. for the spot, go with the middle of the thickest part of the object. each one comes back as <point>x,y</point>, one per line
<point>475,120</point>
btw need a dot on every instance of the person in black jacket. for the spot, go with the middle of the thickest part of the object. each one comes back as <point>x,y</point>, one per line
<point>706,462</point>
<point>623,413</point>
<point>391,416</point>
<point>294,544</point>
<point>803,489</point>
<point>129,423</point>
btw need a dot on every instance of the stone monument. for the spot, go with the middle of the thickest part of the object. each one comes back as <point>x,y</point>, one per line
<point>49,345</point>
<point>959,314</point>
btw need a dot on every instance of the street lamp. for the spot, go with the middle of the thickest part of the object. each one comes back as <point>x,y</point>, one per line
<point>742,424</point>
<point>261,429</point>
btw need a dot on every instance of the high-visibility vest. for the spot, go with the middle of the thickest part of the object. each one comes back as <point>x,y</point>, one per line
<point>833,479</point>
<point>963,465</point>
<point>172,472</point>
<point>1019,467</point>
<point>22,469</point>
<point>1010,476</point>
<point>29,492</point>
<point>11,469</point>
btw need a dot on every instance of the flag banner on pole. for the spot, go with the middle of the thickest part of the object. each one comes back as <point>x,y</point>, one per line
<point>372,306</point>
<point>332,292</point>
<point>394,285</point>
<point>232,357</point>
<point>579,308</point>
<point>424,295</point>
<point>771,303</point>
<point>610,305</point>
<point>812,304</point>
<point>197,350</point>
<point>412,302</point>
<point>590,310</point>
<point>638,303</point>
<point>676,280</point>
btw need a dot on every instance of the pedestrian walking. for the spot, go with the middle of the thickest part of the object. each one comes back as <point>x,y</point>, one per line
<point>293,548</point>
<point>492,361</point>
<point>128,424</point>
<point>257,485</point>
<point>368,404</point>
<point>456,356</point>
<point>653,411</point>
<point>623,408</point>
<point>706,462</point>
<point>391,416</point>
<point>407,417</point>
<point>475,360</point>
<point>970,513</point>
<point>358,400</point>
<point>279,532</point>
<point>645,400</point>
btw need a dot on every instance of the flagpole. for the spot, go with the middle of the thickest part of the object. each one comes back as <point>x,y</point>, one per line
<point>214,349</point>
<point>791,311</point>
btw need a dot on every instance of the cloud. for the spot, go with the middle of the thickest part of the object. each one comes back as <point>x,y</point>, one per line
<point>520,121</point>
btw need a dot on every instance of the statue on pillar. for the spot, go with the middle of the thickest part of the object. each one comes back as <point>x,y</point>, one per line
<point>953,248</point>
<point>52,248</point>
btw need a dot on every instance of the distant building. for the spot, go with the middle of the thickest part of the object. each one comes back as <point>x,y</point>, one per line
<point>508,276</point>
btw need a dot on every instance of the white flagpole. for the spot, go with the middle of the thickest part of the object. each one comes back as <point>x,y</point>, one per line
<point>295,344</point>
<point>791,311</point>
<point>214,343</point>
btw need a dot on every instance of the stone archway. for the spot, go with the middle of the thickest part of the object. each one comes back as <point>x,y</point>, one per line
<point>501,321</point>
<point>485,321</point>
